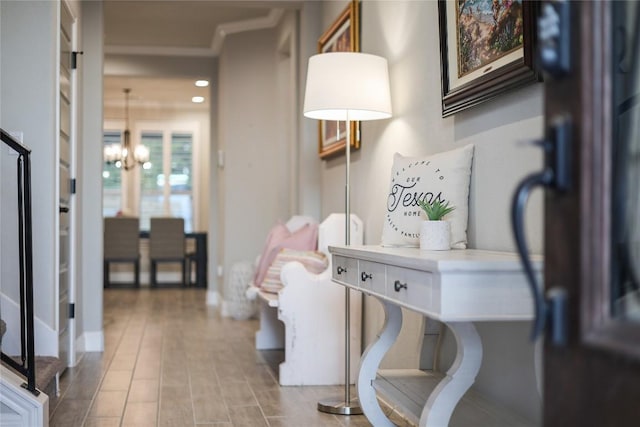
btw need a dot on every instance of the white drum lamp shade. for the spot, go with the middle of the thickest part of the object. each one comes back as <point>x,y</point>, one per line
<point>347,86</point>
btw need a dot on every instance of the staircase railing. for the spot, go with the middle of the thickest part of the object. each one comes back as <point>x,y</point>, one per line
<point>26,361</point>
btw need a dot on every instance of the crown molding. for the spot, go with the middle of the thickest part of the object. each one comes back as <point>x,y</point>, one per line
<point>221,31</point>
<point>269,21</point>
<point>157,105</point>
<point>159,51</point>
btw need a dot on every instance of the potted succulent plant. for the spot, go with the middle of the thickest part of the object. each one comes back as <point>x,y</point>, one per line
<point>435,233</point>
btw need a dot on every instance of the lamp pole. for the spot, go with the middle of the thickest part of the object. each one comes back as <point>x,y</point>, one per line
<point>346,407</point>
<point>353,408</point>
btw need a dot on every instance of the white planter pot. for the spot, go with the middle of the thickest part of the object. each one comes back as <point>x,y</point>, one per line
<point>435,235</point>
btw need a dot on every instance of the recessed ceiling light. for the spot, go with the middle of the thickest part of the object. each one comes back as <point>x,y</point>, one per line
<point>202,83</point>
<point>197,99</point>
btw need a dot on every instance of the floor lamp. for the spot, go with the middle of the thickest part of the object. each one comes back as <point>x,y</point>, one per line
<point>347,86</point>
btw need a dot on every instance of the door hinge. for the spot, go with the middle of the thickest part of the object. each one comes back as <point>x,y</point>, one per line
<point>74,58</point>
<point>72,310</point>
<point>72,186</point>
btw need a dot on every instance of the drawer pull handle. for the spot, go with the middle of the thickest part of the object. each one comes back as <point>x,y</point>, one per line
<point>341,270</point>
<point>364,276</point>
<point>397,285</point>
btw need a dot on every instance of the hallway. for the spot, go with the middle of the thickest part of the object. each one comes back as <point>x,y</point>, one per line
<point>170,360</point>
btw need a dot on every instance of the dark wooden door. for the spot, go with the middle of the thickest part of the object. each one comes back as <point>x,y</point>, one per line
<point>592,231</point>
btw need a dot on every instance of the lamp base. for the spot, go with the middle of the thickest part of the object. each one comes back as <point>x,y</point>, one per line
<point>340,407</point>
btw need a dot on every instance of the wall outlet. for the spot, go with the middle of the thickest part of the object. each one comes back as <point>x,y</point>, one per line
<point>220,271</point>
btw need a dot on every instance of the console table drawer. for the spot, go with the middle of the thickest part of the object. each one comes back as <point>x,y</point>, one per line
<point>372,276</point>
<point>345,270</point>
<point>411,287</point>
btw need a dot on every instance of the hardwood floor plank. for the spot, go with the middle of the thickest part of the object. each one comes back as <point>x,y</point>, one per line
<point>116,380</point>
<point>70,412</point>
<point>102,422</point>
<point>140,414</point>
<point>247,416</point>
<point>108,404</point>
<point>144,391</point>
<point>210,411</point>
<point>176,412</point>
<point>171,361</point>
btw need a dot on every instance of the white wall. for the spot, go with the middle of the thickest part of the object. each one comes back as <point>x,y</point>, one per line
<point>254,182</point>
<point>89,297</point>
<point>406,33</point>
<point>309,169</point>
<point>215,242</point>
<point>285,103</point>
<point>28,93</point>
<point>9,274</point>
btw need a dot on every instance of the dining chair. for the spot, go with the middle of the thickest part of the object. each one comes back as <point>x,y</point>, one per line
<point>167,245</point>
<point>121,245</point>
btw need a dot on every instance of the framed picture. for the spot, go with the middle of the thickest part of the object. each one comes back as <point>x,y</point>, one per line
<point>486,48</point>
<point>342,36</point>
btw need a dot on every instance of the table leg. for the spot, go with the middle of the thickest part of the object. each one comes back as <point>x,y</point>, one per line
<point>371,361</point>
<point>461,375</point>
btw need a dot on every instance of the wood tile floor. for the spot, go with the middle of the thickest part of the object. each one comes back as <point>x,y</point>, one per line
<point>170,360</point>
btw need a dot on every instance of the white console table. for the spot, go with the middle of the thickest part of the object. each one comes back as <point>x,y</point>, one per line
<point>457,287</point>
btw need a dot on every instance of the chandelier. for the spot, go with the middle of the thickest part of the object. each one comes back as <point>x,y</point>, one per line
<point>120,155</point>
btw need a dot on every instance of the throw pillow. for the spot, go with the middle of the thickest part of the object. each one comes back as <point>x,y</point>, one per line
<point>277,234</point>
<point>444,176</point>
<point>304,239</point>
<point>313,261</point>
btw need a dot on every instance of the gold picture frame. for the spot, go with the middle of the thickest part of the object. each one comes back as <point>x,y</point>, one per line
<point>342,36</point>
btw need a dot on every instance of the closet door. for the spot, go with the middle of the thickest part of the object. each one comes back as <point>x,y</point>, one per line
<point>66,140</point>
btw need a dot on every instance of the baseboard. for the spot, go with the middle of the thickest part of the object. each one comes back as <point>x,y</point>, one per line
<point>80,345</point>
<point>91,341</point>
<point>212,298</point>
<point>224,309</point>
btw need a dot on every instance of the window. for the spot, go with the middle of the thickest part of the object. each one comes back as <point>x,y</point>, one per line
<point>151,195</point>
<point>111,179</point>
<point>180,179</point>
<point>171,157</point>
<point>167,187</point>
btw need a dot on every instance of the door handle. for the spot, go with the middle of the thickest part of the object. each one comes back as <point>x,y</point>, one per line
<point>556,175</point>
<point>63,209</point>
